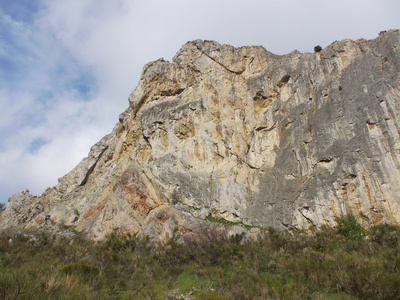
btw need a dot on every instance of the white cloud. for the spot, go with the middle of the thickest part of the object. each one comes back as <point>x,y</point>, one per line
<point>71,47</point>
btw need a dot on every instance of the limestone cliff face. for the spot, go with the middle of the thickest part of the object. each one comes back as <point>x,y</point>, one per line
<point>243,135</point>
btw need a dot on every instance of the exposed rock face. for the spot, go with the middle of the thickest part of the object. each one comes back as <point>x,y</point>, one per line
<point>244,135</point>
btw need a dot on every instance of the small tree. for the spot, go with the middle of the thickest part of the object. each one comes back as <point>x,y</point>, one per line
<point>2,206</point>
<point>317,48</point>
<point>348,226</point>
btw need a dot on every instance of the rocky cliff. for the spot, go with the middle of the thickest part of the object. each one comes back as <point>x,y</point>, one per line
<point>243,137</point>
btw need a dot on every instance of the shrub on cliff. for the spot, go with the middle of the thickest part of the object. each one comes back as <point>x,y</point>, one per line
<point>317,49</point>
<point>348,226</point>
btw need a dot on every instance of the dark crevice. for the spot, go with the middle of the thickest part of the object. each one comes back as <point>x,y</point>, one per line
<point>326,159</point>
<point>260,96</point>
<point>225,67</point>
<point>147,140</point>
<point>261,128</point>
<point>308,219</point>
<point>170,92</point>
<point>245,162</point>
<point>91,169</point>
<point>140,104</point>
<point>283,80</point>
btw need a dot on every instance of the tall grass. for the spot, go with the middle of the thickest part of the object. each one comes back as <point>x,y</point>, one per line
<point>324,264</point>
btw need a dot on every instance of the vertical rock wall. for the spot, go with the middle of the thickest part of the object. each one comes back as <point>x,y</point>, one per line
<point>243,136</point>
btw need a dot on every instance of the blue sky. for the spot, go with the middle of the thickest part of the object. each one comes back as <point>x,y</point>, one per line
<point>67,67</point>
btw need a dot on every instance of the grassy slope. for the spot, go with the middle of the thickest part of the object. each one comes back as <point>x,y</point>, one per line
<point>326,264</point>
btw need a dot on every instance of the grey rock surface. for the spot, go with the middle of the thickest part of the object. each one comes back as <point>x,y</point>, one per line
<point>243,137</point>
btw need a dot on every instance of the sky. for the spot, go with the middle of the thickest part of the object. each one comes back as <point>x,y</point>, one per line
<point>67,67</point>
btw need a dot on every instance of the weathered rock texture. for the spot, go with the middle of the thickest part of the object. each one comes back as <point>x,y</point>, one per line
<point>243,135</point>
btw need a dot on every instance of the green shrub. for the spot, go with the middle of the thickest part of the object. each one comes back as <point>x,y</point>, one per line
<point>317,49</point>
<point>385,235</point>
<point>348,226</point>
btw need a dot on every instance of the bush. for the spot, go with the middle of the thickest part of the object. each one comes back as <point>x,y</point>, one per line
<point>348,226</point>
<point>385,235</point>
<point>317,49</point>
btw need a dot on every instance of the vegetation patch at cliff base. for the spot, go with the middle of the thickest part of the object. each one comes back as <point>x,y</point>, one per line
<point>325,264</point>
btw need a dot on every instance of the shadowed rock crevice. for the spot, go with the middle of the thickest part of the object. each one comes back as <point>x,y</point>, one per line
<point>91,169</point>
